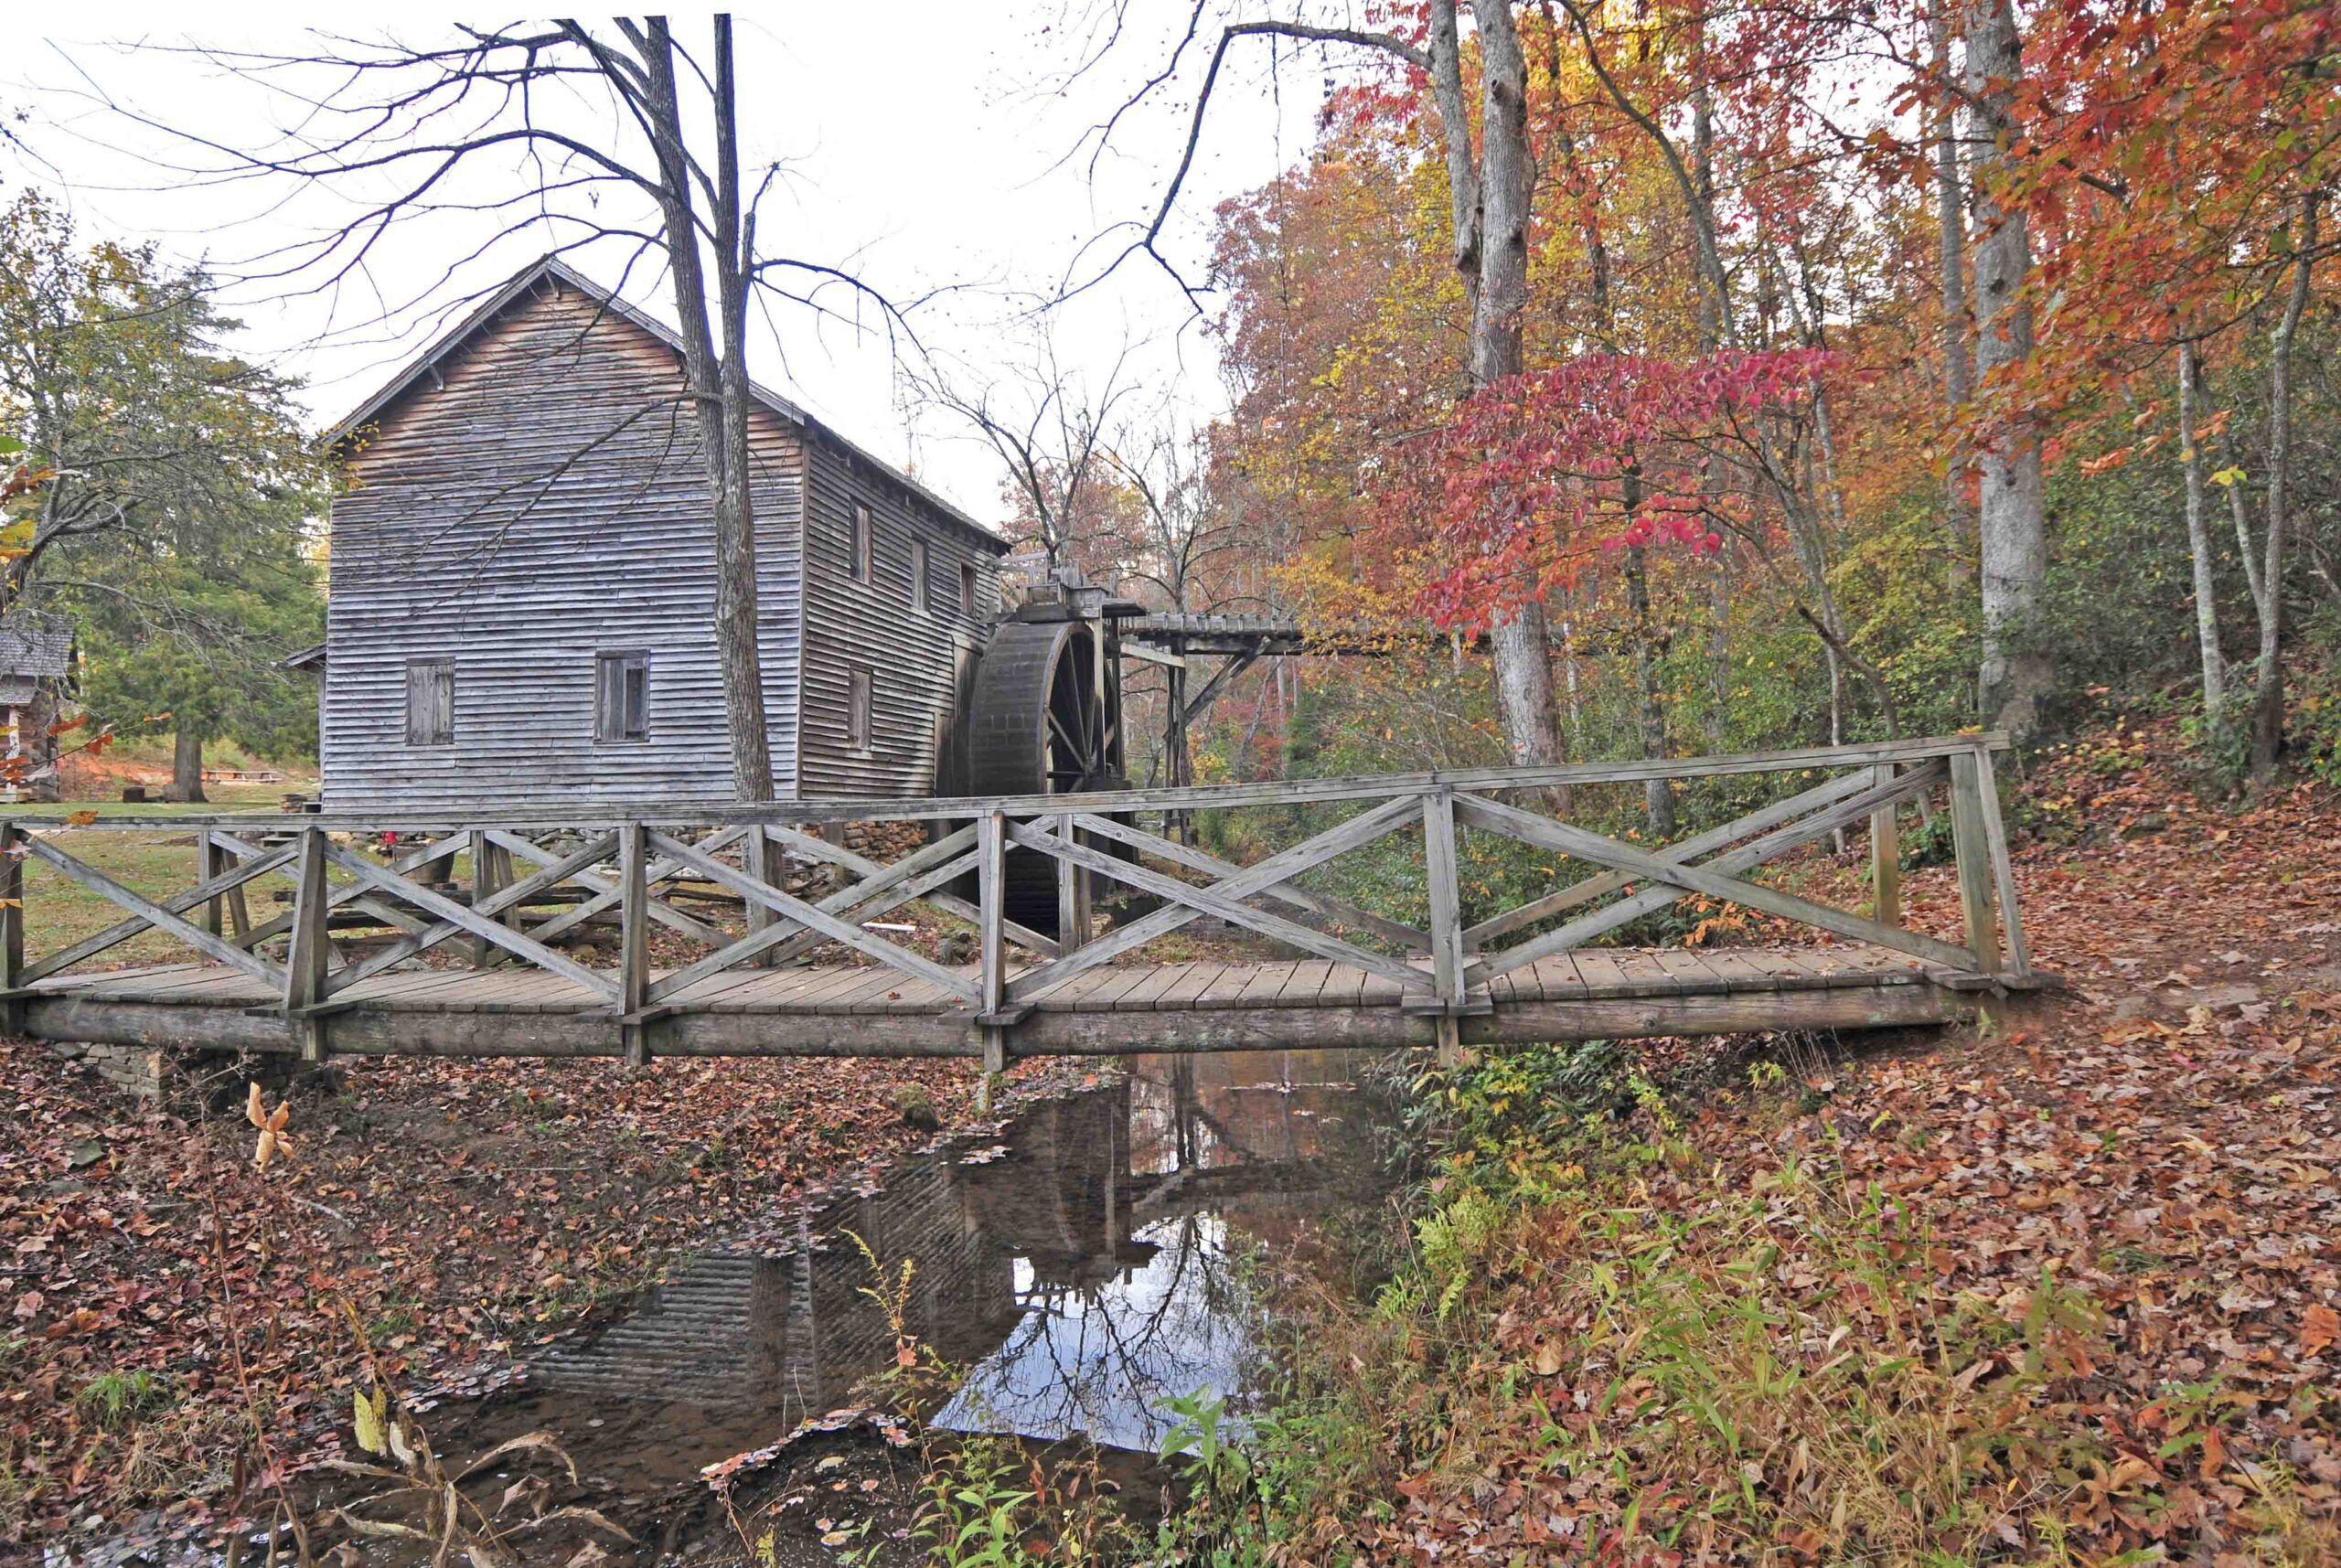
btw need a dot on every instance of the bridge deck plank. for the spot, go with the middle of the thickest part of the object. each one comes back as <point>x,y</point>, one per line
<point>518,1009</point>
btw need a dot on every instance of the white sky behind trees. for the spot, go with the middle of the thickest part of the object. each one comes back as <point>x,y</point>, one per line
<point>933,148</point>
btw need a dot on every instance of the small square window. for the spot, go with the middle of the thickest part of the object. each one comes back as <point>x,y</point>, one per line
<point>918,575</point>
<point>859,682</point>
<point>966,591</point>
<point>622,697</point>
<point>430,702</point>
<point>858,543</point>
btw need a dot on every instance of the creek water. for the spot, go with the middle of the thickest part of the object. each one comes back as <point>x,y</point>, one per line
<point>1085,1262</point>
<point>1080,1266</point>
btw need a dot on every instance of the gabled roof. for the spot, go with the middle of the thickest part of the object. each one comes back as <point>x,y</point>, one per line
<point>550,268</point>
<point>34,647</point>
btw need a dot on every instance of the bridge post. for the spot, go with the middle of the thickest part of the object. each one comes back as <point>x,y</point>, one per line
<point>1995,839</point>
<point>991,909</point>
<point>1073,894</point>
<point>633,941</point>
<point>12,930</point>
<point>212,860</point>
<point>488,879</point>
<point>1445,923</point>
<point>308,950</point>
<point>1971,850</point>
<point>1884,856</point>
<point>759,858</point>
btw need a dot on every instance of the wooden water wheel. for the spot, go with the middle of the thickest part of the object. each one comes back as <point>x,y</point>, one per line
<point>1045,718</point>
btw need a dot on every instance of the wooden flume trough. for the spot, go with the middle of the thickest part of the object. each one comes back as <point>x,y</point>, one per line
<point>1532,973</point>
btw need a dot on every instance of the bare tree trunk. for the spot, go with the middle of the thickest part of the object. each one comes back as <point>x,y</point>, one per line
<point>1950,227</point>
<point>1520,640</point>
<point>2199,542</point>
<point>719,391</point>
<point>1658,795</point>
<point>187,764</point>
<point>2239,514</point>
<point>2019,673</point>
<point>2268,697</point>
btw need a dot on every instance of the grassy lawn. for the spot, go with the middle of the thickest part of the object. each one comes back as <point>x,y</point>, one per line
<point>60,912</point>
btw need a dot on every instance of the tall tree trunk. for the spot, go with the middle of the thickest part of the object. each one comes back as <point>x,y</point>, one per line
<point>1520,639</point>
<point>2019,675</point>
<point>2198,542</point>
<point>187,764</point>
<point>2239,514</point>
<point>1658,795</point>
<point>2268,696</point>
<point>718,392</point>
<point>1951,229</point>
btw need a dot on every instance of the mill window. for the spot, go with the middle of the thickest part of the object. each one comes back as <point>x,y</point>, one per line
<point>622,697</point>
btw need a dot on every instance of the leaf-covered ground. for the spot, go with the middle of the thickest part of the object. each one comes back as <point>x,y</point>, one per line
<point>2063,1292</point>
<point>459,1208</point>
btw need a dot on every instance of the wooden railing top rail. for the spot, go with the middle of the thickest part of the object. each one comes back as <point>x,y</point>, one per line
<point>1108,803</point>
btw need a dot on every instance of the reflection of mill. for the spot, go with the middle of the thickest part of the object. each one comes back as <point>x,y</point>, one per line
<point>1100,1197</point>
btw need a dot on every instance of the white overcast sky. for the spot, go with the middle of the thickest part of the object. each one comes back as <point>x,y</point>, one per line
<point>927,146</point>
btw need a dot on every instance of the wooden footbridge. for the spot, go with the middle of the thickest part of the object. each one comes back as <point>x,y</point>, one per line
<point>383,950</point>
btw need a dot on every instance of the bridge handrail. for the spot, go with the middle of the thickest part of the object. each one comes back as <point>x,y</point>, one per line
<point>620,863</point>
<point>671,813</point>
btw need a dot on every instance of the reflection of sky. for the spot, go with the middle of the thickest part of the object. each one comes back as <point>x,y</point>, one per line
<point>1107,1362</point>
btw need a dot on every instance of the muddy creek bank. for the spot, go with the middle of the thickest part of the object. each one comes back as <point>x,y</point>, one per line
<point>1079,1267</point>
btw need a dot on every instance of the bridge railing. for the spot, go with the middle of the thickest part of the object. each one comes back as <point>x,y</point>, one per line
<point>628,862</point>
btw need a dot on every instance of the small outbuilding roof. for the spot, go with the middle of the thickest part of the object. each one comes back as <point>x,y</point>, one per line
<point>34,647</point>
<point>553,269</point>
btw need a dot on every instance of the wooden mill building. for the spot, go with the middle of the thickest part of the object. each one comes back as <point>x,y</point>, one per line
<point>523,580</point>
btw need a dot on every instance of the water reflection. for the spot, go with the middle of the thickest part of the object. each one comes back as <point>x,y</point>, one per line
<point>1082,1265</point>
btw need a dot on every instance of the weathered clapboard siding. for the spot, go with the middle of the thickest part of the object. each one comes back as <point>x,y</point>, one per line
<point>542,501</point>
<point>917,658</point>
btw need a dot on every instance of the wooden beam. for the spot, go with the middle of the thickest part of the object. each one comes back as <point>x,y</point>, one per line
<point>306,958</point>
<point>1206,900</point>
<point>1494,816</point>
<point>783,939</point>
<point>1072,898</point>
<point>508,897</point>
<point>633,941</point>
<point>806,915</point>
<point>1973,855</point>
<point>1439,874</point>
<point>1285,893</point>
<point>1996,835</point>
<point>1148,654</point>
<point>862,866</point>
<point>667,814</point>
<point>1884,856</point>
<point>455,914</point>
<point>605,889</point>
<point>1586,927</point>
<point>991,883</point>
<point>1363,829</point>
<point>1601,886</point>
<point>121,931</point>
<point>13,977</point>
<point>155,915</point>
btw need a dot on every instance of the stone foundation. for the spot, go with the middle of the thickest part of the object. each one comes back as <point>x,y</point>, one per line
<point>216,1078</point>
<point>140,1069</point>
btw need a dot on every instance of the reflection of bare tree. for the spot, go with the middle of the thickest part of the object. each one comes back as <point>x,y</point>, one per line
<point>1086,1277</point>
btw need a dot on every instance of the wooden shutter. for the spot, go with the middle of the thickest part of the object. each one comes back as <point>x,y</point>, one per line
<point>918,575</point>
<point>430,702</point>
<point>859,682</point>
